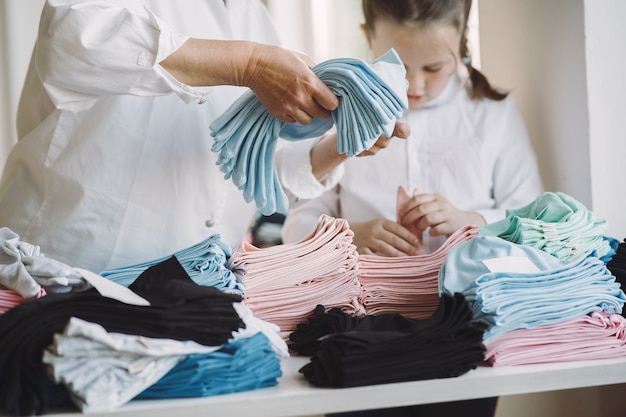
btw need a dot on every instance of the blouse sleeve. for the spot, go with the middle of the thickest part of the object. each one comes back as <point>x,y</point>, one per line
<point>90,49</point>
<point>293,164</point>
<point>516,177</point>
<point>303,217</point>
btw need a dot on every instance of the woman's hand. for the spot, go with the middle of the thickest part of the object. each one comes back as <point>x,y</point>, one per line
<point>284,82</point>
<point>281,79</point>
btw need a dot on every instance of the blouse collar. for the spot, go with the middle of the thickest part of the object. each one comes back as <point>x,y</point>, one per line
<point>455,86</point>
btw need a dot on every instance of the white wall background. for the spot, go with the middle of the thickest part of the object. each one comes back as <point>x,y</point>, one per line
<point>18,29</point>
<point>564,60</point>
<point>606,93</point>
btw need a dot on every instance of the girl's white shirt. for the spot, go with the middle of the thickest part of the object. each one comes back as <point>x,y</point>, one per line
<point>114,164</point>
<point>477,154</point>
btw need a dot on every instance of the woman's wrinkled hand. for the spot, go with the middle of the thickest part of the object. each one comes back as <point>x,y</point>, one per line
<point>284,82</point>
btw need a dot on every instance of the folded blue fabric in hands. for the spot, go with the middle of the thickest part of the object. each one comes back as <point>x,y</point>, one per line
<point>371,99</point>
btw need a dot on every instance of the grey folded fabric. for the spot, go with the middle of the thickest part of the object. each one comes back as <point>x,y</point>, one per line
<point>26,270</point>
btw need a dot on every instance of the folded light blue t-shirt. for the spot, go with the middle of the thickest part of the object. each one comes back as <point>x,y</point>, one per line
<point>371,99</point>
<point>510,298</point>
<point>206,263</point>
<point>242,365</point>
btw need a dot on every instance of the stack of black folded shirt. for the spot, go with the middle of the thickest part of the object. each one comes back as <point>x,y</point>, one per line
<point>356,351</point>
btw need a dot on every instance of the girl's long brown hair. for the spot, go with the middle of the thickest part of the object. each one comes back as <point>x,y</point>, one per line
<point>451,12</point>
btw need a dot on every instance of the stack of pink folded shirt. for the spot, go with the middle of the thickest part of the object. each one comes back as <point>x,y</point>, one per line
<point>10,299</point>
<point>598,335</point>
<point>407,285</point>
<point>284,283</point>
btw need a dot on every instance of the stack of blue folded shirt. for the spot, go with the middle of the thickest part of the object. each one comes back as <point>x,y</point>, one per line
<point>206,263</point>
<point>242,365</point>
<point>372,98</point>
<point>517,296</point>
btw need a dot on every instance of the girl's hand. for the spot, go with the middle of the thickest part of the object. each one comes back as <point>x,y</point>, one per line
<point>325,158</point>
<point>435,212</point>
<point>384,237</point>
<point>401,130</point>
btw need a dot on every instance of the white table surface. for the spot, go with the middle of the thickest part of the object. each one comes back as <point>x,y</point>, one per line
<point>293,396</point>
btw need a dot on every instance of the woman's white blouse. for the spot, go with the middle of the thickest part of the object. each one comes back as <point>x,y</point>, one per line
<point>114,164</point>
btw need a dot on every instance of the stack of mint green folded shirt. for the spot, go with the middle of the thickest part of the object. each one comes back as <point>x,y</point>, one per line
<point>371,99</point>
<point>557,224</point>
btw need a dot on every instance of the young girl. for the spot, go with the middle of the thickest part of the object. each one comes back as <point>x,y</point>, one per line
<point>468,156</point>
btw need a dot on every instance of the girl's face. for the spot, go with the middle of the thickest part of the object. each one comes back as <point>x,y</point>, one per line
<point>430,54</point>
